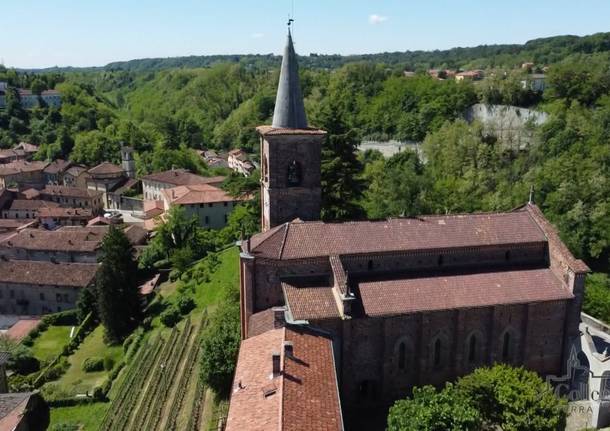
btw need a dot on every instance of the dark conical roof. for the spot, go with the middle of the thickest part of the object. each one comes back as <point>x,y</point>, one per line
<point>289,109</point>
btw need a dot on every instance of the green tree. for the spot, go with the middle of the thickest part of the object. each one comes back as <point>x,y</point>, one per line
<point>597,296</point>
<point>220,344</point>
<point>118,297</point>
<point>430,410</point>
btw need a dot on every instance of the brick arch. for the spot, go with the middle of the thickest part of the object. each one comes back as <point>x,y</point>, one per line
<point>403,363</point>
<point>439,350</point>
<point>474,351</point>
<point>508,345</point>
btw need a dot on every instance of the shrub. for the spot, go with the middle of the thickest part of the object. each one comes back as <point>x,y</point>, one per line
<point>108,363</point>
<point>56,371</point>
<point>22,361</point>
<point>170,317</point>
<point>185,304</point>
<point>91,365</point>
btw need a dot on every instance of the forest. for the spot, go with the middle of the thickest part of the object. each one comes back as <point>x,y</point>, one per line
<point>166,112</point>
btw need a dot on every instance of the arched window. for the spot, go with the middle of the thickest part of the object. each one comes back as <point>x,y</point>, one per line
<point>506,347</point>
<point>402,356</point>
<point>472,349</point>
<point>294,174</point>
<point>437,352</point>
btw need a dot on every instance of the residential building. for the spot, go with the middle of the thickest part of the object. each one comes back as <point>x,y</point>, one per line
<point>535,82</point>
<point>74,197</point>
<point>35,287</point>
<point>21,409</point>
<point>105,177</point>
<point>50,218</point>
<point>210,205</point>
<point>23,174</point>
<point>54,171</point>
<point>239,162</point>
<point>469,75</point>
<point>26,209</point>
<point>153,184</point>
<point>76,176</point>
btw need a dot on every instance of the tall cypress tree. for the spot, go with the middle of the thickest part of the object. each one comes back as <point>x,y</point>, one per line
<point>118,299</point>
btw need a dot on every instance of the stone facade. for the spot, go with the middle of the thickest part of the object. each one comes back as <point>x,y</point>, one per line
<point>290,177</point>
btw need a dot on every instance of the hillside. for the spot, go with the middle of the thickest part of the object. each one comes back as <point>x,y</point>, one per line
<point>543,50</point>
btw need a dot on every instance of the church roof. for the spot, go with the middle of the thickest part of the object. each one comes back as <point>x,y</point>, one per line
<point>303,396</point>
<point>289,108</point>
<point>310,299</point>
<point>403,295</point>
<point>299,240</point>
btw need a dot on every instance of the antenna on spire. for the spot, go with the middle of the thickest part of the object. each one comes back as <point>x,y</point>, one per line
<point>531,198</point>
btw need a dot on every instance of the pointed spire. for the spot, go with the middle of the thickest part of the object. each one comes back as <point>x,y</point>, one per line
<point>289,109</point>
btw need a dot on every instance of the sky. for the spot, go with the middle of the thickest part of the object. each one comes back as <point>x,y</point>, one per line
<point>44,33</point>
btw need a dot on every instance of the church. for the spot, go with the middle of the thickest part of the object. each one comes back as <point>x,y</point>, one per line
<point>339,320</point>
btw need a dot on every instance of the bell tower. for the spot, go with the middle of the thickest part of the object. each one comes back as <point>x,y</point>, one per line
<point>290,153</point>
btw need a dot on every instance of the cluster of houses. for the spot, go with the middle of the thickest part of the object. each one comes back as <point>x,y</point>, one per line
<point>532,80</point>
<point>29,100</point>
<point>236,160</point>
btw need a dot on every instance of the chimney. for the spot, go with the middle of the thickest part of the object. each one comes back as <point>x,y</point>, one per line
<point>275,359</point>
<point>288,349</point>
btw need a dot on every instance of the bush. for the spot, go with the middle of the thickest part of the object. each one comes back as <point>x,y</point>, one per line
<point>91,365</point>
<point>170,317</point>
<point>63,318</point>
<point>185,304</point>
<point>56,371</point>
<point>108,363</point>
<point>22,361</point>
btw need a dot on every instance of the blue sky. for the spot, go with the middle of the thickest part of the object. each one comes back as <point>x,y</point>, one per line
<point>94,32</point>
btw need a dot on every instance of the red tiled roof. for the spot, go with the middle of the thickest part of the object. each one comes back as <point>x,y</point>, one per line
<point>261,322</point>
<point>30,193</point>
<point>70,213</point>
<point>31,204</point>
<point>22,328</point>
<point>19,166</point>
<point>197,194</point>
<point>57,166</point>
<point>182,177</point>
<point>310,300</point>
<point>106,168</point>
<point>70,192</point>
<point>303,397</point>
<point>47,273</point>
<point>299,239</point>
<point>446,291</point>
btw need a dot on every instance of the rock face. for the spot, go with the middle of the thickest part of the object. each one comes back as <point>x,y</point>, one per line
<point>513,126</point>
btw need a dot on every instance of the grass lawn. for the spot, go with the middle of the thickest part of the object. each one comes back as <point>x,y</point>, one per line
<point>51,342</point>
<point>75,379</point>
<point>224,276</point>
<point>88,416</point>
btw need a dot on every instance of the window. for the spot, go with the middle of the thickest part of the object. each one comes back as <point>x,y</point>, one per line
<point>41,296</point>
<point>437,352</point>
<point>58,297</point>
<point>200,205</point>
<point>211,204</point>
<point>472,349</point>
<point>506,347</point>
<point>440,260</point>
<point>226,203</point>
<point>226,218</point>
<point>507,255</point>
<point>370,265</point>
<point>402,356</point>
<point>294,174</point>
<point>207,219</point>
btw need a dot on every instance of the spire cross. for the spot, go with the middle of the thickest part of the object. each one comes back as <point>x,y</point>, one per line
<point>290,21</point>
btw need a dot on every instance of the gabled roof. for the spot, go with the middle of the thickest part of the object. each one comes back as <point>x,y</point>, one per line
<point>47,273</point>
<point>66,213</point>
<point>57,166</point>
<point>31,204</point>
<point>106,168</point>
<point>197,194</point>
<point>303,397</point>
<point>439,291</point>
<point>298,239</point>
<point>20,166</point>
<point>70,192</point>
<point>182,177</point>
<point>310,299</point>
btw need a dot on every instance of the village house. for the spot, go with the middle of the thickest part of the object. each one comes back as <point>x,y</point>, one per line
<point>76,176</point>
<point>8,156</point>
<point>535,82</point>
<point>210,205</point>
<point>22,173</point>
<point>35,287</point>
<point>74,197</point>
<point>153,184</point>
<point>469,75</point>
<point>406,302</point>
<point>239,162</point>
<point>21,409</point>
<point>54,172</point>
<point>105,177</point>
<point>26,208</point>
<point>66,244</point>
<point>50,218</point>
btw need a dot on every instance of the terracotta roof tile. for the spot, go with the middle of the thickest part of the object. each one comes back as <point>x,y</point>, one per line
<point>22,328</point>
<point>310,299</point>
<point>303,397</point>
<point>31,204</point>
<point>182,177</point>
<point>317,239</point>
<point>106,168</point>
<point>47,273</point>
<point>21,166</point>
<point>70,192</point>
<point>70,213</point>
<point>446,291</point>
<point>197,194</point>
<point>57,166</point>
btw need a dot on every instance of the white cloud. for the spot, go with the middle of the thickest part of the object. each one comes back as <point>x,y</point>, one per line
<point>377,19</point>
<point>257,35</point>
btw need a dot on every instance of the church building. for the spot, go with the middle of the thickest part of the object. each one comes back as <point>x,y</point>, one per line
<point>339,320</point>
